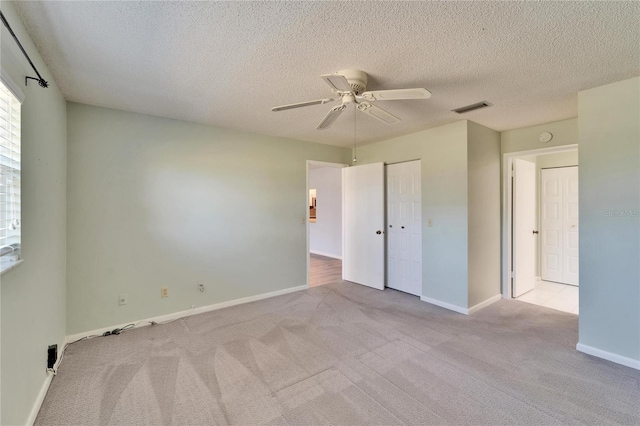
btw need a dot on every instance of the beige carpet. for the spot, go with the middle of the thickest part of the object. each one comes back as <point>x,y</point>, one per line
<point>344,354</point>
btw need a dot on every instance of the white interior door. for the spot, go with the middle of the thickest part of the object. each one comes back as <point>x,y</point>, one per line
<point>404,227</point>
<point>524,227</point>
<point>363,225</point>
<point>559,225</point>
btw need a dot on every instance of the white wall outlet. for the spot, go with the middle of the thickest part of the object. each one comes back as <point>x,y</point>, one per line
<point>430,222</point>
<point>123,299</point>
<point>164,292</point>
<point>201,286</point>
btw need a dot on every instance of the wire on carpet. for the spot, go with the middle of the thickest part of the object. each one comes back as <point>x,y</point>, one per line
<point>114,332</point>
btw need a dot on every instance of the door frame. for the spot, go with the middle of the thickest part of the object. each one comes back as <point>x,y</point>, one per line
<point>507,200</point>
<point>306,205</point>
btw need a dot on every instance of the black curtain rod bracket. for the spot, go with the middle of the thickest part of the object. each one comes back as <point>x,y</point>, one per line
<point>41,81</point>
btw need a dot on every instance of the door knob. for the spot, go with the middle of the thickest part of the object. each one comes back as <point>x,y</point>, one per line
<point>535,232</point>
<point>390,226</point>
<point>378,232</point>
<point>402,227</point>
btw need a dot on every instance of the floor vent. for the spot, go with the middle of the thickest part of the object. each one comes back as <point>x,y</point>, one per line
<point>471,107</point>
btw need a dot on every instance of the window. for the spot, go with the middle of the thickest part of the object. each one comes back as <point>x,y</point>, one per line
<point>9,178</point>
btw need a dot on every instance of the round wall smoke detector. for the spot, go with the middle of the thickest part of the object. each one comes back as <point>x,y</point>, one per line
<point>545,137</point>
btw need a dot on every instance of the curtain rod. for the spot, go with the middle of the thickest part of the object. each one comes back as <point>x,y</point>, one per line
<point>41,81</point>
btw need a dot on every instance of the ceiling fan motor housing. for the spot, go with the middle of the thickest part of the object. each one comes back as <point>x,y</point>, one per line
<point>357,79</point>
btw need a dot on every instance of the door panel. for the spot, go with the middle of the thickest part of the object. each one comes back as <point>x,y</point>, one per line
<point>551,226</point>
<point>363,217</point>
<point>404,227</point>
<point>524,223</point>
<point>559,225</point>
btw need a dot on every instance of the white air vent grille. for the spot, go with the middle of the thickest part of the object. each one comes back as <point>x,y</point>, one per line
<point>471,107</point>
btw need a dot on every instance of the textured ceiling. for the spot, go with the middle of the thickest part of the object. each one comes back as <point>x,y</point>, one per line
<point>228,63</point>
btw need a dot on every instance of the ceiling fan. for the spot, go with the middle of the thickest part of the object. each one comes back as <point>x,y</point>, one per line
<point>349,86</point>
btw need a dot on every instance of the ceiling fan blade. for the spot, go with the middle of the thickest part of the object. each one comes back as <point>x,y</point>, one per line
<point>301,104</point>
<point>331,116</point>
<point>337,82</point>
<point>397,95</point>
<point>378,113</point>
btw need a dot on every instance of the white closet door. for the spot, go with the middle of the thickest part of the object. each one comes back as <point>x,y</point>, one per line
<point>404,227</point>
<point>551,229</point>
<point>559,225</point>
<point>363,225</point>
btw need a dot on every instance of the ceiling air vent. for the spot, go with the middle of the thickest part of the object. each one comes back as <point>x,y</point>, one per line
<point>472,107</point>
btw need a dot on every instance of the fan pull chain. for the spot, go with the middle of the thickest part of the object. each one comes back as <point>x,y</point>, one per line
<point>355,140</point>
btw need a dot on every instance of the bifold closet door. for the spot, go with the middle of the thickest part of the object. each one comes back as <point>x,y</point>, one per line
<point>404,227</point>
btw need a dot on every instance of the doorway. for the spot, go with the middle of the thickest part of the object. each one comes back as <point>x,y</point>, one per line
<point>541,212</point>
<point>324,223</point>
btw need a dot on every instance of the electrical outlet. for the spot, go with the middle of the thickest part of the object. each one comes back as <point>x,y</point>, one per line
<point>164,292</point>
<point>201,286</point>
<point>123,299</point>
<point>52,355</point>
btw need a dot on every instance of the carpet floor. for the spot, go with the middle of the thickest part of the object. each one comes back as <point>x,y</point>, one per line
<point>344,354</point>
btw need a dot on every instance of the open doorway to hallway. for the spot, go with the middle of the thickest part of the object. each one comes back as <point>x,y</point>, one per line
<point>544,229</point>
<point>324,222</point>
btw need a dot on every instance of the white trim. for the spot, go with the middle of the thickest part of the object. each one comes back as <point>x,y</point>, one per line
<point>39,400</point>
<point>327,164</point>
<point>11,85</point>
<point>445,305</point>
<point>507,162</point>
<point>484,304</point>
<point>9,266</point>
<point>35,409</point>
<point>618,359</point>
<point>321,253</point>
<point>188,313</point>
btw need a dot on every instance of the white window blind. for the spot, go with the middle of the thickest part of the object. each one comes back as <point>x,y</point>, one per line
<point>10,216</point>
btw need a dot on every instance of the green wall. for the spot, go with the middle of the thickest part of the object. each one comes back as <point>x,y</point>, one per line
<point>154,202</point>
<point>565,132</point>
<point>33,294</point>
<point>443,151</point>
<point>609,156</point>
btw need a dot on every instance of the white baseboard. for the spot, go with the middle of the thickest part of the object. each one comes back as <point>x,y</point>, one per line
<point>445,305</point>
<point>484,304</point>
<point>39,400</point>
<point>609,356</point>
<point>45,387</point>
<point>320,253</point>
<point>189,312</point>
